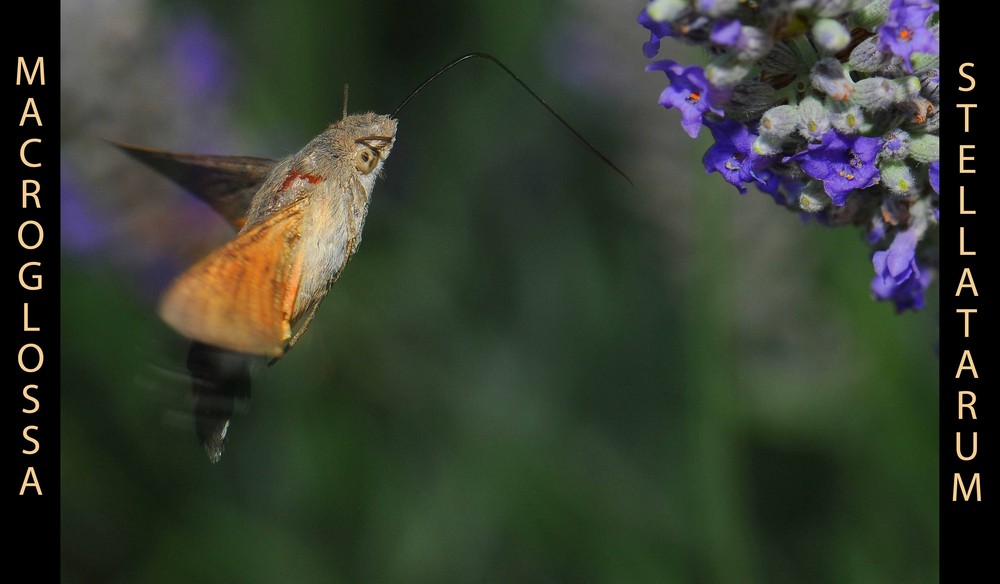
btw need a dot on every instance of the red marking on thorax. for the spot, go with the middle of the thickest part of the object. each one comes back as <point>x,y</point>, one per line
<point>295,175</point>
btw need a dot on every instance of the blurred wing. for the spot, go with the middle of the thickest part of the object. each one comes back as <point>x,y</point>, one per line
<point>241,297</point>
<point>226,183</point>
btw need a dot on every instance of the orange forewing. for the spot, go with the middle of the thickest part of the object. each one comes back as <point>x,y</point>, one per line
<point>241,297</point>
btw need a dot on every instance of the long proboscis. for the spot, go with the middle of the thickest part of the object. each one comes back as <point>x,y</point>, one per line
<point>530,91</point>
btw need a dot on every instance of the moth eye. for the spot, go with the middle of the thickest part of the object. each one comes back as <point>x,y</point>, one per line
<point>365,160</point>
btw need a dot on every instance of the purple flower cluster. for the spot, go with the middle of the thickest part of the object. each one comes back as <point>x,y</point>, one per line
<point>830,107</point>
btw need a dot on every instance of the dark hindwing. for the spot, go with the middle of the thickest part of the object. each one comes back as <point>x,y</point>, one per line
<point>225,183</point>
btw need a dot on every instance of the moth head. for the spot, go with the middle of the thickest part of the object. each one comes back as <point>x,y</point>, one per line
<point>367,140</point>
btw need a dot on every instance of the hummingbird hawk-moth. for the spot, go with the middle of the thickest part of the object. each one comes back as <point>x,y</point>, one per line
<point>299,222</point>
<point>297,231</point>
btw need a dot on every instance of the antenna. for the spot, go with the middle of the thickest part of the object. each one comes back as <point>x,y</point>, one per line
<point>507,70</point>
<point>345,101</point>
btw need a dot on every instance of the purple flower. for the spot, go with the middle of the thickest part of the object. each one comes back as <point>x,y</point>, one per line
<point>876,231</point>
<point>782,189</point>
<point>199,56</point>
<point>747,41</point>
<point>908,295</point>
<point>843,163</point>
<point>905,30</point>
<point>734,158</point>
<point>769,182</point>
<point>933,173</point>
<point>898,264</point>
<point>689,91</point>
<point>82,228</point>
<point>818,143</point>
<point>657,31</point>
<point>897,275</point>
<point>726,33</point>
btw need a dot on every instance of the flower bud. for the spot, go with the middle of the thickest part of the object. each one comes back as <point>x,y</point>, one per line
<point>897,177</point>
<point>813,122</point>
<point>872,15</point>
<point>922,61</point>
<point>866,58</point>
<point>896,145</point>
<point>813,198</point>
<point>666,10</point>
<point>877,93</point>
<point>850,119</point>
<point>778,122</point>
<point>830,35</point>
<point>768,145</point>
<point>930,82</point>
<point>726,72</point>
<point>925,147</point>
<point>755,44</point>
<point>909,86</point>
<point>828,76</point>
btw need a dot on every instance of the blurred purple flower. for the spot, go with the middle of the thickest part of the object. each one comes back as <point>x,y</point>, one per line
<point>199,58</point>
<point>81,229</point>
<point>905,30</point>
<point>726,33</point>
<point>843,163</point>
<point>657,31</point>
<point>876,231</point>
<point>746,41</point>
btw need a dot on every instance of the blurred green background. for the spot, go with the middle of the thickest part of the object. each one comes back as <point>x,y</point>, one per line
<point>531,371</point>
